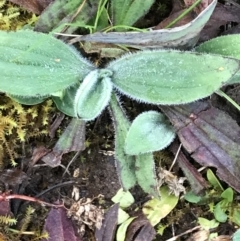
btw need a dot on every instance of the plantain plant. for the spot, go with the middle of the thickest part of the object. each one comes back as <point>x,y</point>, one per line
<point>35,66</point>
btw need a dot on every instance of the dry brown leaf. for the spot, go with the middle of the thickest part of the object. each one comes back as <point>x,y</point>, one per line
<point>221,16</point>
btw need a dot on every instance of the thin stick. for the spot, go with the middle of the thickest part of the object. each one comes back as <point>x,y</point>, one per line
<point>180,235</point>
<point>6,196</point>
<point>175,158</point>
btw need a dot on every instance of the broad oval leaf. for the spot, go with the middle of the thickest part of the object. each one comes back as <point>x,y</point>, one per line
<point>93,95</point>
<point>150,131</point>
<point>170,76</point>
<point>35,64</point>
<point>27,100</point>
<point>228,45</point>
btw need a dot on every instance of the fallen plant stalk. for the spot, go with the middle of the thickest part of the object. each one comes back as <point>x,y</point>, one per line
<point>6,196</point>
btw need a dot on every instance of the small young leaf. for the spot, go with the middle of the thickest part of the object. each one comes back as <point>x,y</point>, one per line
<point>149,132</point>
<point>219,212</point>
<point>35,65</point>
<point>213,180</point>
<point>170,76</point>
<point>155,210</point>
<point>93,95</point>
<point>192,198</point>
<point>228,195</point>
<point>124,198</point>
<point>207,224</point>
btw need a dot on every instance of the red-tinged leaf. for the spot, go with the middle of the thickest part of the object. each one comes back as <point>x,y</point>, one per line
<point>59,226</point>
<point>211,136</point>
<point>108,228</point>
<point>35,6</point>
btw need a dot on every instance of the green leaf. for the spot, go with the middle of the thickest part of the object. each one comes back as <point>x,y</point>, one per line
<point>93,95</point>
<point>121,232</point>
<point>150,131</point>
<point>170,76</point>
<point>127,12</point>
<point>125,164</point>
<point>192,198</point>
<point>65,103</point>
<point>27,100</point>
<point>213,180</point>
<point>228,195</point>
<point>155,210</point>
<point>35,65</point>
<point>228,45</point>
<point>236,215</point>
<point>207,224</point>
<point>219,212</point>
<point>122,216</point>
<point>146,175</point>
<point>124,198</point>
<point>236,236</point>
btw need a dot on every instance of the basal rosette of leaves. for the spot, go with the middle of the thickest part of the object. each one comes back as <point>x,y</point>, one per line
<point>34,66</point>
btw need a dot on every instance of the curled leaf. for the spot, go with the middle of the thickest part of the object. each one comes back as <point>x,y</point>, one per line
<point>93,95</point>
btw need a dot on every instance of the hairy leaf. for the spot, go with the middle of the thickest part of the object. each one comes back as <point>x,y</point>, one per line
<point>228,45</point>
<point>170,76</point>
<point>146,175</point>
<point>27,100</point>
<point>93,95</point>
<point>65,103</point>
<point>125,164</point>
<point>211,137</point>
<point>34,64</point>
<point>149,132</point>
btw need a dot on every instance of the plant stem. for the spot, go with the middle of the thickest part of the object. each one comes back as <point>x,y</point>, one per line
<point>222,94</point>
<point>183,14</point>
